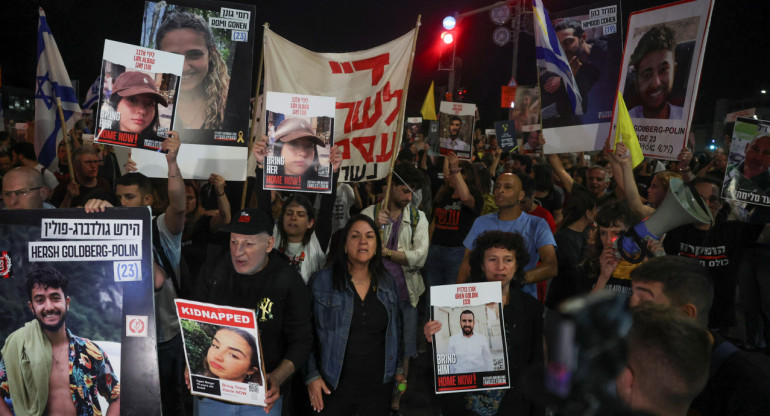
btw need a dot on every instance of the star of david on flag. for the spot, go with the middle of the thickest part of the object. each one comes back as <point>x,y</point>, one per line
<point>93,93</point>
<point>52,82</point>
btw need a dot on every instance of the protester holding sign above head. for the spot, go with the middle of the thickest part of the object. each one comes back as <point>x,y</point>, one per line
<point>136,97</point>
<point>205,81</point>
<point>455,141</point>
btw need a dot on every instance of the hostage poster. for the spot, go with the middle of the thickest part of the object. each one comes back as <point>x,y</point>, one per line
<point>456,128</point>
<point>91,277</point>
<point>138,96</point>
<point>661,71</point>
<point>223,352</point>
<point>213,110</point>
<point>300,130</point>
<point>592,44</point>
<point>469,351</point>
<point>747,178</point>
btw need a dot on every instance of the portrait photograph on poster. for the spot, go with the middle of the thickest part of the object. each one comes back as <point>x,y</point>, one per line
<point>456,122</point>
<point>747,178</point>
<point>212,115</point>
<point>300,130</point>
<point>469,351</point>
<point>87,278</point>
<point>660,73</point>
<point>592,46</point>
<point>138,97</point>
<point>223,352</point>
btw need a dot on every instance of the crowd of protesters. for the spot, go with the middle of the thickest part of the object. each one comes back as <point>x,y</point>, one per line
<point>347,275</point>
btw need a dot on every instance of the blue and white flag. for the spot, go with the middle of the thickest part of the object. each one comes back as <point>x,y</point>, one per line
<point>52,82</point>
<point>93,93</point>
<point>549,52</point>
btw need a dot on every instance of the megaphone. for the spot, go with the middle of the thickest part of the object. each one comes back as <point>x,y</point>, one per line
<point>681,206</point>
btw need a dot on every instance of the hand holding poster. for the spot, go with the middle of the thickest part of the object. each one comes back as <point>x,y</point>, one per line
<point>747,178</point>
<point>97,273</point>
<point>138,100</point>
<point>223,352</point>
<point>300,132</point>
<point>660,73</point>
<point>469,351</point>
<point>456,128</point>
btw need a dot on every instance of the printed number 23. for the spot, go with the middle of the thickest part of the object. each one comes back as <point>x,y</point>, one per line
<point>127,271</point>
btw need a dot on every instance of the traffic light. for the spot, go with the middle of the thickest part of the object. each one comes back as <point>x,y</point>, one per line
<point>447,45</point>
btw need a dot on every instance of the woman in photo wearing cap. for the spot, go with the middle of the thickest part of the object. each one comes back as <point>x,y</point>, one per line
<point>295,142</point>
<point>136,97</point>
<point>205,81</point>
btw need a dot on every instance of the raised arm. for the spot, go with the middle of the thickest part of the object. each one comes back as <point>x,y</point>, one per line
<point>223,204</point>
<point>633,199</point>
<point>175,213</point>
<point>457,181</point>
<point>263,196</point>
<point>558,169</point>
<point>323,228</point>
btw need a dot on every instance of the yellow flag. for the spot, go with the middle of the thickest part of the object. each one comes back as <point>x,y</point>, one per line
<point>428,109</point>
<point>626,133</point>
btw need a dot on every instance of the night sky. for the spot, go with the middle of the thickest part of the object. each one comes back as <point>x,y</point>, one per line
<point>735,66</point>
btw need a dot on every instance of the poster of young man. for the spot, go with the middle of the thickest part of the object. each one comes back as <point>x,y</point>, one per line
<point>505,131</point>
<point>747,178</point>
<point>592,45</point>
<point>300,132</point>
<point>76,300</point>
<point>212,115</point>
<point>223,352</point>
<point>413,129</point>
<point>456,128</point>
<point>469,351</point>
<point>526,110</point>
<point>660,73</point>
<point>137,110</point>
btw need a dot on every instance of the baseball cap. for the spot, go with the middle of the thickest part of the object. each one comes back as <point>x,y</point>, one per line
<point>296,128</point>
<point>134,83</point>
<point>251,221</point>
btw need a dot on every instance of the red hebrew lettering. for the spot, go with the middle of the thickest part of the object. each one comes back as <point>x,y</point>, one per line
<point>385,154</point>
<point>336,68</point>
<point>387,96</point>
<point>376,64</point>
<point>352,120</point>
<point>365,145</point>
<point>347,67</point>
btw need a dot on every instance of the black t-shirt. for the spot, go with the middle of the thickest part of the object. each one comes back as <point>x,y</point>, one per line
<point>365,352</point>
<point>566,283</point>
<point>739,386</point>
<point>453,221</point>
<point>554,201</point>
<point>714,249</point>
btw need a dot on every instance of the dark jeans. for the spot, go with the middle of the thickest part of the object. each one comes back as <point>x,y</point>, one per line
<point>173,392</point>
<point>358,399</point>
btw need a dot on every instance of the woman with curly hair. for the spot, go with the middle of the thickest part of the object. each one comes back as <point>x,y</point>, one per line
<point>205,81</point>
<point>499,256</point>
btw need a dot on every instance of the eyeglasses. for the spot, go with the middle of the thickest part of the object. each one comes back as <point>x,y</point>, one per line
<point>19,192</point>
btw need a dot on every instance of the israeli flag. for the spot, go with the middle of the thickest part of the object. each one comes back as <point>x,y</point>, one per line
<point>548,50</point>
<point>52,82</point>
<point>93,93</point>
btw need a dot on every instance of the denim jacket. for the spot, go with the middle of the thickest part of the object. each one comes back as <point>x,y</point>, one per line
<point>332,316</point>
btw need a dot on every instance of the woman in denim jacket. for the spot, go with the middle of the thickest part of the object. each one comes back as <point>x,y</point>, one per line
<point>355,305</point>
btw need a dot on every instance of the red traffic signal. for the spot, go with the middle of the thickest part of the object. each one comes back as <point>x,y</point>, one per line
<point>447,37</point>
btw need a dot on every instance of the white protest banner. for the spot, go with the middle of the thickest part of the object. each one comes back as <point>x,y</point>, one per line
<point>661,71</point>
<point>368,86</point>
